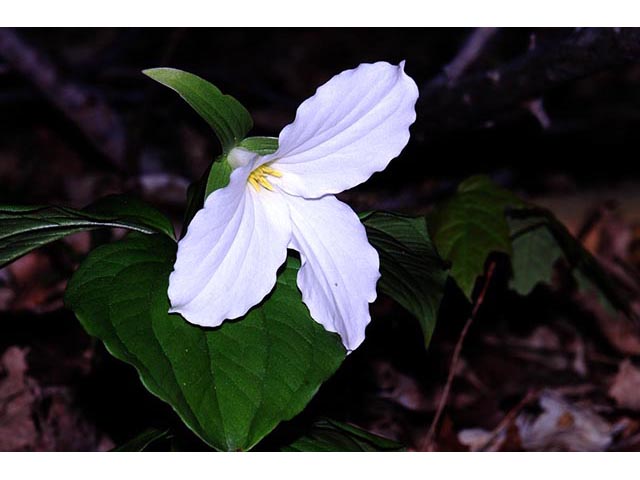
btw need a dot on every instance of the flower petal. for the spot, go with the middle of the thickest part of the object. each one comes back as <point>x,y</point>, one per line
<point>353,126</point>
<point>227,261</point>
<point>339,269</point>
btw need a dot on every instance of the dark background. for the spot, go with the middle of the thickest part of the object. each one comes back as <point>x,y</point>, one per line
<point>553,114</point>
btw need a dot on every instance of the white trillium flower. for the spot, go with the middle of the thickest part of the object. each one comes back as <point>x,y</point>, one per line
<point>227,262</point>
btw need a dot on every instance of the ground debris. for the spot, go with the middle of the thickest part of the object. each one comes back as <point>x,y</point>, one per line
<point>40,418</point>
<point>17,428</point>
<point>563,426</point>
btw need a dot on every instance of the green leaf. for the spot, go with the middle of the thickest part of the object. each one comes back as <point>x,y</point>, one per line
<point>139,215</point>
<point>535,252</point>
<point>141,442</point>
<point>218,177</point>
<point>25,228</point>
<point>228,118</point>
<point>540,240</point>
<point>260,145</point>
<point>332,436</point>
<point>412,272</point>
<point>232,384</point>
<point>470,226</point>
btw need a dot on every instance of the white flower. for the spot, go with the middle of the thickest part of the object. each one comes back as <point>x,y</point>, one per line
<point>353,126</point>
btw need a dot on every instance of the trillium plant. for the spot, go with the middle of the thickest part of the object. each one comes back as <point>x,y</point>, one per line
<point>352,127</point>
<point>238,322</point>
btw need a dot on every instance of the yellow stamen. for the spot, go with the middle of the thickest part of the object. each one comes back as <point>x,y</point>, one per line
<point>270,171</point>
<point>258,178</point>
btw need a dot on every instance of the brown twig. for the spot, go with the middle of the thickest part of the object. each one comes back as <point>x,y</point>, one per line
<point>508,419</point>
<point>427,444</point>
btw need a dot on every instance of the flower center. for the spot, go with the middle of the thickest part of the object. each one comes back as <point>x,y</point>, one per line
<point>259,177</point>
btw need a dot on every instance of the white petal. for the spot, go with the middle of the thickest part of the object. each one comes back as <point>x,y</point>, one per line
<point>227,261</point>
<point>339,269</point>
<point>353,126</point>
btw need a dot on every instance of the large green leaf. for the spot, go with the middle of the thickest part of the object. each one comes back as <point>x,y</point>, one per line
<point>412,272</point>
<point>470,226</point>
<point>23,228</point>
<point>332,436</point>
<point>231,385</point>
<point>229,119</point>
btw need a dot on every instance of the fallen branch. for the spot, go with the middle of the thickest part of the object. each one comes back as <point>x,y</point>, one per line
<point>471,50</point>
<point>476,99</point>
<point>91,115</point>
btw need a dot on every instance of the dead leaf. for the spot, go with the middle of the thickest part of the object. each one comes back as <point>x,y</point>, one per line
<point>478,438</point>
<point>400,388</point>
<point>563,426</point>
<point>625,388</point>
